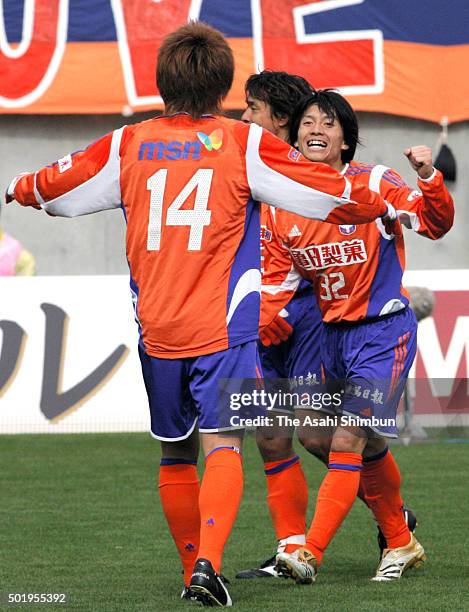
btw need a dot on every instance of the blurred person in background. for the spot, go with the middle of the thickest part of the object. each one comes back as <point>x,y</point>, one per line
<point>15,260</point>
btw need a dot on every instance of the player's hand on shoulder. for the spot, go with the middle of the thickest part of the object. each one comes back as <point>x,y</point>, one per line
<point>276,332</point>
<point>420,158</point>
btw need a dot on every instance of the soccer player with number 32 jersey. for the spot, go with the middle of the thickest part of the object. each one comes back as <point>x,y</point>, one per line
<point>369,337</point>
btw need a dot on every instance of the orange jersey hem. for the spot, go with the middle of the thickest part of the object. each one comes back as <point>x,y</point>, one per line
<point>213,348</point>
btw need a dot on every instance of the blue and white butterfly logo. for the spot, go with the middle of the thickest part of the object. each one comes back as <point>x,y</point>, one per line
<point>346,230</point>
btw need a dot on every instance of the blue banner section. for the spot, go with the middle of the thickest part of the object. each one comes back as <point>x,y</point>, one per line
<point>232,17</point>
<point>432,22</point>
<point>93,21</point>
<point>13,19</point>
<point>89,21</point>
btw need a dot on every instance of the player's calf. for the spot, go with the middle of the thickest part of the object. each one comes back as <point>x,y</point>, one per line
<point>411,522</point>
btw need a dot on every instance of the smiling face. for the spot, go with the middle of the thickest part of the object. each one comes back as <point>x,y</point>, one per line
<point>321,138</point>
<point>260,112</point>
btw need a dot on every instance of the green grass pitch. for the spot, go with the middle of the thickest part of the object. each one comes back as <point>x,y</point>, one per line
<point>80,514</point>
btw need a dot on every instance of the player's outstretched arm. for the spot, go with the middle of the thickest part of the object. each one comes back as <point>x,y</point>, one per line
<point>78,184</point>
<point>429,211</point>
<point>281,176</point>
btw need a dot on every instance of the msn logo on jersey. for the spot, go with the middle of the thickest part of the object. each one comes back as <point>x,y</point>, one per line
<point>170,151</point>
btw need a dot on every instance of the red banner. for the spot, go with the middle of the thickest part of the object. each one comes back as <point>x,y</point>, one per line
<point>99,56</point>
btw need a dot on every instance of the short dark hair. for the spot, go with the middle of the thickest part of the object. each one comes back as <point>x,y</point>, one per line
<point>334,106</point>
<point>280,90</point>
<point>195,69</point>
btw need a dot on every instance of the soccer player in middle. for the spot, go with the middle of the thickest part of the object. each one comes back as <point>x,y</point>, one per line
<point>289,341</point>
<point>289,344</point>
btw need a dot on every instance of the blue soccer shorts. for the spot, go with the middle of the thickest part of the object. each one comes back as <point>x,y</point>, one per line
<point>370,362</point>
<point>197,390</point>
<point>299,356</point>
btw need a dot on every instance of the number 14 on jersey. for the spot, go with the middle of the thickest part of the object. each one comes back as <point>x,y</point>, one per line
<point>196,219</point>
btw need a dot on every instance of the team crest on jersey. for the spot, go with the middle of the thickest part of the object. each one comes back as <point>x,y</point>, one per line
<point>346,230</point>
<point>212,141</point>
<point>294,154</point>
<point>266,234</point>
<point>65,163</point>
<point>413,195</point>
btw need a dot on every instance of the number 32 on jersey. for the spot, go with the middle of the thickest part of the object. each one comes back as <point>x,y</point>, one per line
<point>331,285</point>
<point>196,219</point>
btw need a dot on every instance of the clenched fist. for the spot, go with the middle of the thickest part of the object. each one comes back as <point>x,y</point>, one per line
<point>420,158</point>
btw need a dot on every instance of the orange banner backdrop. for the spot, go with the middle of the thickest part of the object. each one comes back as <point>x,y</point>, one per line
<point>99,56</point>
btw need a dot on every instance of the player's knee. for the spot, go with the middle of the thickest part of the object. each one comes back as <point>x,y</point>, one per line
<point>182,449</point>
<point>374,446</point>
<point>347,445</point>
<point>275,449</point>
<point>316,445</point>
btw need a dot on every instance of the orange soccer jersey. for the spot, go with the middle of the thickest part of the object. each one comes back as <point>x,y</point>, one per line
<point>189,190</point>
<point>356,269</point>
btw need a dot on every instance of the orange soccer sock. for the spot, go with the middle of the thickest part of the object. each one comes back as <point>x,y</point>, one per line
<point>287,498</point>
<point>382,484</point>
<point>335,499</point>
<point>361,490</point>
<point>179,493</point>
<point>219,499</point>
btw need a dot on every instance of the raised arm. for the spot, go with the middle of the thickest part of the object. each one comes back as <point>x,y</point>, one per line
<point>429,211</point>
<point>281,176</point>
<point>78,184</point>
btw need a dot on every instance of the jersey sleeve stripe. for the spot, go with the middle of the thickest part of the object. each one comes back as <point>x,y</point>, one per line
<point>394,179</point>
<point>375,177</point>
<point>100,192</point>
<point>290,283</point>
<point>40,200</point>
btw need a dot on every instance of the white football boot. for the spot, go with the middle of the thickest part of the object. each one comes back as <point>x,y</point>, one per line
<point>300,565</point>
<point>395,561</point>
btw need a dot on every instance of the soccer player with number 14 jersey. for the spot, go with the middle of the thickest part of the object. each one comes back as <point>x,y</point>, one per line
<point>189,183</point>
